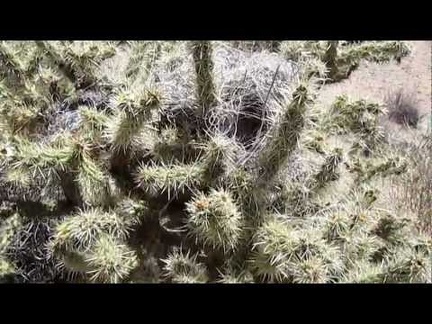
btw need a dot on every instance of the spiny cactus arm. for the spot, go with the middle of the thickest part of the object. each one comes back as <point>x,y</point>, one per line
<point>364,272</point>
<point>242,184</point>
<point>232,276</point>
<point>8,228</point>
<point>60,159</point>
<point>362,118</point>
<point>354,215</point>
<point>378,51</point>
<point>358,245</point>
<point>312,246</point>
<point>349,57</point>
<point>295,50</point>
<point>134,109</point>
<point>314,140</point>
<point>51,52</point>
<point>273,250</point>
<point>87,54</point>
<point>110,261</point>
<point>20,118</point>
<point>137,209</point>
<point>314,58</point>
<point>311,270</point>
<point>296,199</point>
<point>10,66</point>
<point>51,83</point>
<point>36,93</point>
<point>202,56</point>
<point>84,57</point>
<point>76,237</point>
<point>17,177</point>
<point>174,178</point>
<point>29,99</point>
<point>330,57</point>
<point>78,233</point>
<point>394,230</point>
<point>408,265</point>
<point>348,114</point>
<point>336,226</point>
<point>39,157</point>
<point>32,59</point>
<point>94,183</point>
<point>215,220</point>
<point>76,62</point>
<point>168,144</point>
<point>220,156</point>
<point>73,265</point>
<point>124,131</point>
<point>284,137</point>
<point>92,124</point>
<point>313,67</point>
<point>353,227</point>
<point>143,56</point>
<point>284,252</point>
<point>328,170</point>
<point>171,179</point>
<point>183,267</point>
<point>378,167</point>
<point>6,270</point>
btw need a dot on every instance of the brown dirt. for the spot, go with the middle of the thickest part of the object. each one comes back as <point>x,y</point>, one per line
<point>374,81</point>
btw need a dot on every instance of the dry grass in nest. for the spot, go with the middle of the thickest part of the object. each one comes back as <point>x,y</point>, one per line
<point>257,46</point>
<point>248,117</point>
<point>252,87</point>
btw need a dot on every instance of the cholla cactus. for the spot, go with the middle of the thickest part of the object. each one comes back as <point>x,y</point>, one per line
<point>110,261</point>
<point>134,109</point>
<point>202,55</point>
<point>330,57</point>
<point>172,179</point>
<point>8,228</point>
<point>288,254</point>
<point>11,70</point>
<point>181,268</point>
<point>76,60</point>
<point>328,170</point>
<point>79,232</point>
<point>215,220</point>
<point>91,243</point>
<point>286,135</point>
<point>409,266</point>
<point>196,162</point>
<point>6,269</point>
<point>342,60</point>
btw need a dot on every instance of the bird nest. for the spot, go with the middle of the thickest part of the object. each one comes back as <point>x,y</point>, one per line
<point>250,89</point>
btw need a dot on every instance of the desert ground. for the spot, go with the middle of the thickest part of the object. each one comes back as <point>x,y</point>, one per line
<point>375,81</point>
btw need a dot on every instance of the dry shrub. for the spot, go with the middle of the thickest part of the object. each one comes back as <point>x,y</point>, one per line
<point>413,190</point>
<point>402,108</point>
